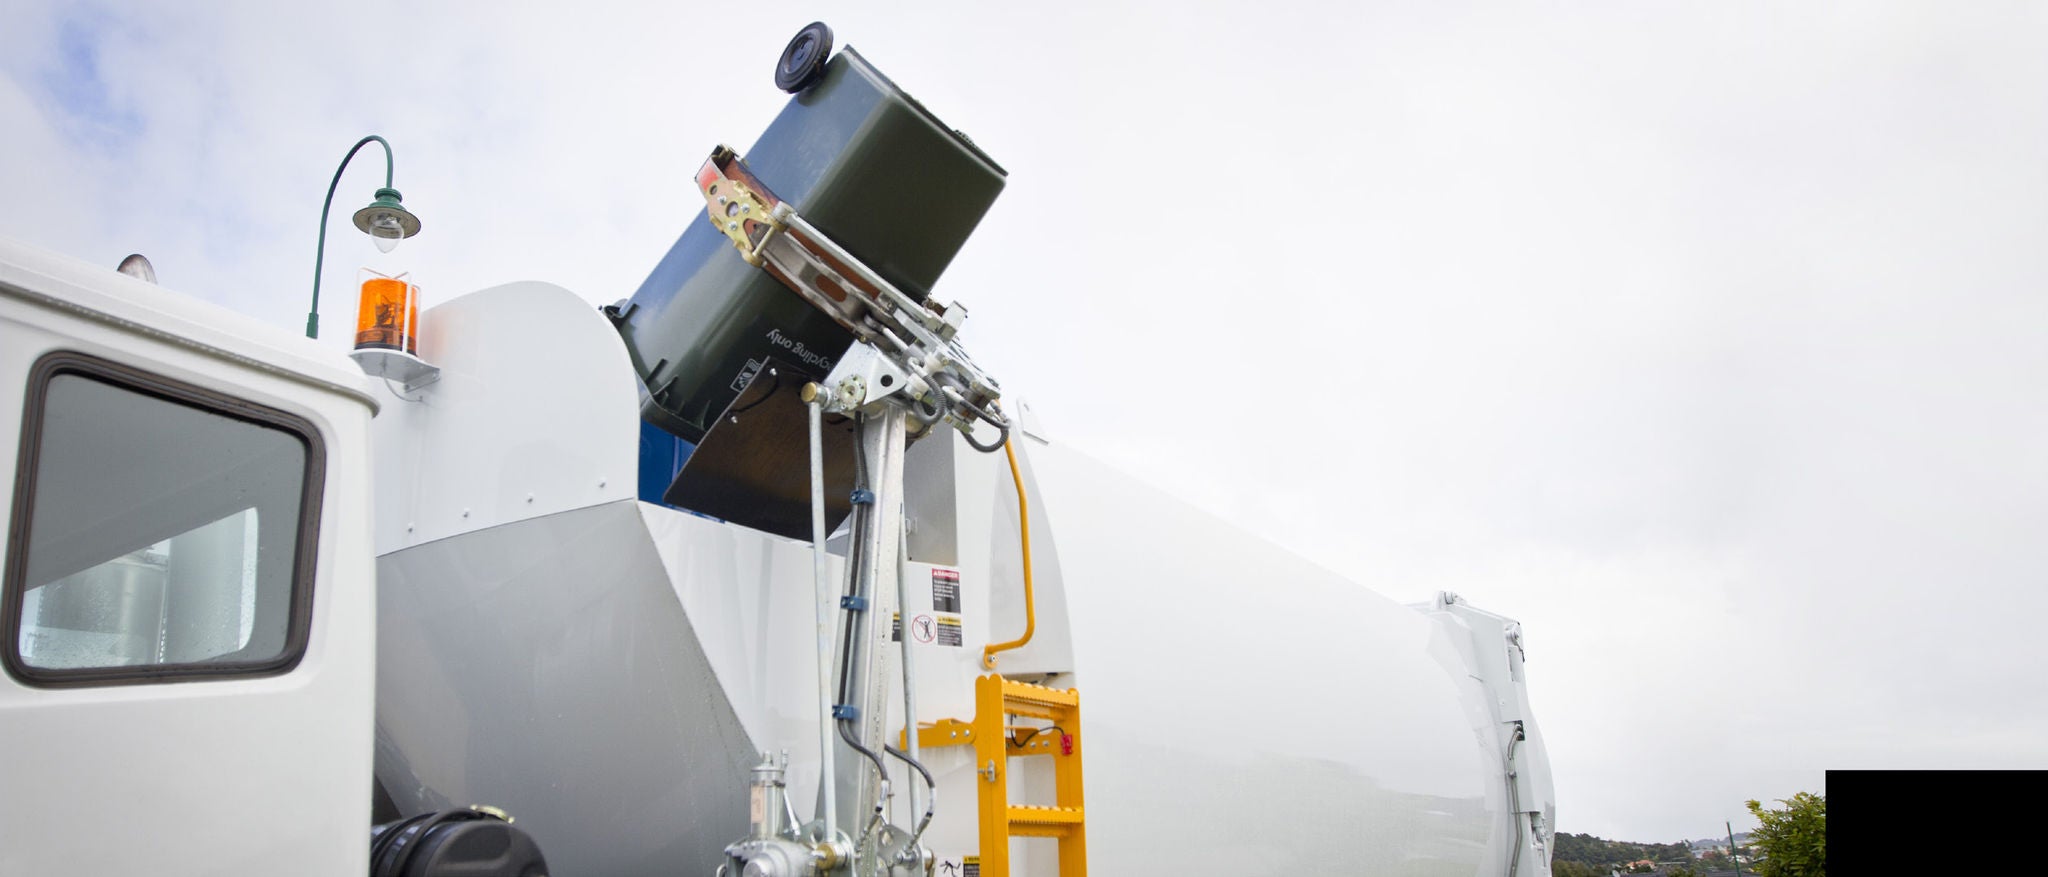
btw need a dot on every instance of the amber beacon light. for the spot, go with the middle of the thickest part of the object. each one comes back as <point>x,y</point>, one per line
<point>388,314</point>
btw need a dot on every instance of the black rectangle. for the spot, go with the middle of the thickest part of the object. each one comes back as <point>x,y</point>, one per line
<point>754,469</point>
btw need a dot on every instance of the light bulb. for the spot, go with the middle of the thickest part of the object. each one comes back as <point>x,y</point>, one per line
<point>386,230</point>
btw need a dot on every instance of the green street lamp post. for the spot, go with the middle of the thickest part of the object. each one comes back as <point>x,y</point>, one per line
<point>386,221</point>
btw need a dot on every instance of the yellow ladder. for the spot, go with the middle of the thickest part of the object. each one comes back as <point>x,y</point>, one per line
<point>995,700</point>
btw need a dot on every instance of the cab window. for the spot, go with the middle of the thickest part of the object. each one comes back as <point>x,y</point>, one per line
<point>161,531</point>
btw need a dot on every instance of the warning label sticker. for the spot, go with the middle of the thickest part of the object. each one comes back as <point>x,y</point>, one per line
<point>945,629</point>
<point>957,866</point>
<point>945,590</point>
<point>747,373</point>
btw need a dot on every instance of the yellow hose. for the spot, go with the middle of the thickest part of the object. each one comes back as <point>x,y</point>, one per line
<point>988,653</point>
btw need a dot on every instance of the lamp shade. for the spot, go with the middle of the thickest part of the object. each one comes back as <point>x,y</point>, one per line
<point>386,220</point>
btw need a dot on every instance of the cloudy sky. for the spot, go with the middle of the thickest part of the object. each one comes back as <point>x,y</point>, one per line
<point>1704,338</point>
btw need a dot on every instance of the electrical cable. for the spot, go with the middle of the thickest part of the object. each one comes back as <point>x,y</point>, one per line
<point>1017,742</point>
<point>777,385</point>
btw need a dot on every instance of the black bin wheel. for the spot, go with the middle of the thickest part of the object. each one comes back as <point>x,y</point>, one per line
<point>803,60</point>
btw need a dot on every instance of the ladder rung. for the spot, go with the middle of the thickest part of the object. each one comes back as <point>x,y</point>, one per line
<point>1044,821</point>
<point>1037,710</point>
<point>998,701</point>
<point>1025,692</point>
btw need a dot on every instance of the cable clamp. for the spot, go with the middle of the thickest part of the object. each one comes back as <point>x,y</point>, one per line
<point>854,602</point>
<point>863,496</point>
<point>844,711</point>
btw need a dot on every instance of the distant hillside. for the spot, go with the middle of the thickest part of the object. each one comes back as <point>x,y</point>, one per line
<point>1603,855</point>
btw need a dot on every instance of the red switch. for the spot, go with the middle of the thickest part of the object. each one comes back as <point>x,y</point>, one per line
<point>1066,743</point>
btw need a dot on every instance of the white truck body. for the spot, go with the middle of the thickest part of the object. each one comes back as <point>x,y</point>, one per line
<point>607,669</point>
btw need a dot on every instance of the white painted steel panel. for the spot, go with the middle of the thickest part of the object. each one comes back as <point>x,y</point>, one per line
<point>536,412</point>
<point>1248,712</point>
<point>546,667</point>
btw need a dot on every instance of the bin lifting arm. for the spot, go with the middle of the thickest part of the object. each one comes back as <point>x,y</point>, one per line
<point>906,347</point>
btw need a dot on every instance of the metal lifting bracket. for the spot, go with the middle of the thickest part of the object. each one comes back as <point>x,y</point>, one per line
<point>907,347</point>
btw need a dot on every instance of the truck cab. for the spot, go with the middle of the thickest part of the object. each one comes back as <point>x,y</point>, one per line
<point>187,628</point>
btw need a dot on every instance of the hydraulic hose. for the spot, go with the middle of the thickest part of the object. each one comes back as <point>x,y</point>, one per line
<point>1002,440</point>
<point>988,652</point>
<point>846,734</point>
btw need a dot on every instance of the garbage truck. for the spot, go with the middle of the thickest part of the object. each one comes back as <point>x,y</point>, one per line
<point>755,571</point>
